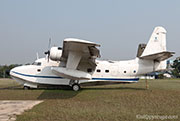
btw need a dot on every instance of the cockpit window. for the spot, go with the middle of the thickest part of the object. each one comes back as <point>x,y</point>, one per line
<point>59,48</point>
<point>37,63</point>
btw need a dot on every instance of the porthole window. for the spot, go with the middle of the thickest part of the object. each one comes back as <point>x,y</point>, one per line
<point>89,70</point>
<point>39,70</point>
<point>124,71</point>
<point>107,71</point>
<point>98,70</point>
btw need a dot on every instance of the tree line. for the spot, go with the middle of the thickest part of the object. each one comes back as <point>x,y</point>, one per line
<point>176,68</point>
<point>5,69</point>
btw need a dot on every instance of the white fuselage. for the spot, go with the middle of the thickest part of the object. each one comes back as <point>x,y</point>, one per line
<point>105,71</point>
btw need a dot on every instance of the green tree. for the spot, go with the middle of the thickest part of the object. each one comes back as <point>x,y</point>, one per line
<point>4,70</point>
<point>176,68</point>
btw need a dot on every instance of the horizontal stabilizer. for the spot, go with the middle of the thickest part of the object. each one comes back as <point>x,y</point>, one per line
<point>158,56</point>
<point>71,73</point>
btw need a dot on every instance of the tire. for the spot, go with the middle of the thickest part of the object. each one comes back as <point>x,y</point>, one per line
<point>26,88</point>
<point>76,87</point>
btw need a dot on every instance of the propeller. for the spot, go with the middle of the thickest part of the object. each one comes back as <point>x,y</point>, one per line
<point>48,52</point>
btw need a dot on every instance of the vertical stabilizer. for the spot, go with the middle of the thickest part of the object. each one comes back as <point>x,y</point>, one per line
<point>155,49</point>
<point>157,42</point>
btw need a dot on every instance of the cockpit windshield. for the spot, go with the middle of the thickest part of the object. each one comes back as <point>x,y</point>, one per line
<point>37,63</point>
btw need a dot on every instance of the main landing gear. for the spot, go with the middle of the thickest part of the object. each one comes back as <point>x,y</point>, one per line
<point>75,85</point>
<point>26,88</point>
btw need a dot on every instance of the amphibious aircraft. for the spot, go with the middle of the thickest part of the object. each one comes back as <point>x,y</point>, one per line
<point>76,64</point>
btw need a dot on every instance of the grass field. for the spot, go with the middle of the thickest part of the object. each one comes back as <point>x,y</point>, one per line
<point>122,102</point>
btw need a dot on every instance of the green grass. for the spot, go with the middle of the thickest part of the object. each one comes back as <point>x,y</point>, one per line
<point>7,83</point>
<point>111,102</point>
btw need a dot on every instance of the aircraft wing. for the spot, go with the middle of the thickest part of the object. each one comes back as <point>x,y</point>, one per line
<point>158,56</point>
<point>75,51</point>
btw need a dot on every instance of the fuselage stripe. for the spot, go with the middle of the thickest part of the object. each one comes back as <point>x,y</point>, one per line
<point>57,77</point>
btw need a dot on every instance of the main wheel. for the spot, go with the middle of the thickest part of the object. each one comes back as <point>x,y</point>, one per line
<point>76,87</point>
<point>26,87</point>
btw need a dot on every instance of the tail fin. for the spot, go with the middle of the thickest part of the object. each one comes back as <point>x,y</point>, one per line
<point>157,42</point>
<point>156,47</point>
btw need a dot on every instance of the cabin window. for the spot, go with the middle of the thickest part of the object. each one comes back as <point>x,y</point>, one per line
<point>89,70</point>
<point>124,71</point>
<point>107,71</point>
<point>37,63</point>
<point>39,70</point>
<point>98,70</point>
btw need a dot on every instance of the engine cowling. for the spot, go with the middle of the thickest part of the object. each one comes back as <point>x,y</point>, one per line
<point>55,53</point>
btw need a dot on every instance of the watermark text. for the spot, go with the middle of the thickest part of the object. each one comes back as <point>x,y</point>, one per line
<point>156,117</point>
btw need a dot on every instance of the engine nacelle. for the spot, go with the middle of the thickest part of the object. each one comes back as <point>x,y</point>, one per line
<point>55,53</point>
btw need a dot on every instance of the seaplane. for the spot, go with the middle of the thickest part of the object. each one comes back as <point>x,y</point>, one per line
<point>76,63</point>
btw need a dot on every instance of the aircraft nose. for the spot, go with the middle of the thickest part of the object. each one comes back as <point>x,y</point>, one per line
<point>12,71</point>
<point>15,70</point>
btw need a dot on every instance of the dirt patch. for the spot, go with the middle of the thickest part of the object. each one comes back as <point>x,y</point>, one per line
<point>9,109</point>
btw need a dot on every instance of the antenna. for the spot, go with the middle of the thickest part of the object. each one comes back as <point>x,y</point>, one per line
<point>49,45</point>
<point>37,56</point>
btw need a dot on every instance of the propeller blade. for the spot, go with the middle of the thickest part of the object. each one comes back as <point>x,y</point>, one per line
<point>48,55</point>
<point>48,52</point>
<point>49,45</point>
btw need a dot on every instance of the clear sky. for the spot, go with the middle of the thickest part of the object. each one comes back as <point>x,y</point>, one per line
<point>118,26</point>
